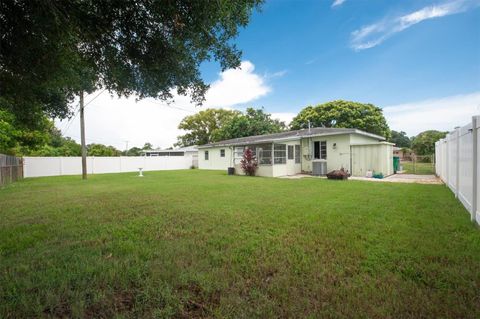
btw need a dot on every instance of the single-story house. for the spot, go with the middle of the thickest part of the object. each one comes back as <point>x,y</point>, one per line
<point>314,151</point>
<point>183,151</point>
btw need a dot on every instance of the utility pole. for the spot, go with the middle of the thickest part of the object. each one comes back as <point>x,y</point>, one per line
<point>126,148</point>
<point>82,137</point>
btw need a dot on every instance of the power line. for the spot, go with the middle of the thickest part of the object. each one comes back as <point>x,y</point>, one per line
<point>94,98</point>
<point>78,111</point>
<point>173,107</point>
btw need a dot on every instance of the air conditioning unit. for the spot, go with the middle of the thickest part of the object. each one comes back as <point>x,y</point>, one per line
<point>319,168</point>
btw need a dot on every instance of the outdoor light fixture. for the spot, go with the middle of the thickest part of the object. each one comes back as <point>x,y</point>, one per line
<point>140,173</point>
<point>334,145</point>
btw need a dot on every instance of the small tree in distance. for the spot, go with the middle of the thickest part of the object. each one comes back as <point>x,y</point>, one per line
<point>249,162</point>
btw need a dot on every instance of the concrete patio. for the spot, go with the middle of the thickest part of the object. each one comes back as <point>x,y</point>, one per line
<point>396,178</point>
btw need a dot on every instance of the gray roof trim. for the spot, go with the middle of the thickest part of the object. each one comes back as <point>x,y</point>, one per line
<point>181,149</point>
<point>290,135</point>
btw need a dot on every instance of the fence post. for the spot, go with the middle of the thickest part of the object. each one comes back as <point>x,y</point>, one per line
<point>457,160</point>
<point>474,170</point>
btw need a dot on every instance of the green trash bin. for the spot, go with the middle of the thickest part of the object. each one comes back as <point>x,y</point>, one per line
<point>396,164</point>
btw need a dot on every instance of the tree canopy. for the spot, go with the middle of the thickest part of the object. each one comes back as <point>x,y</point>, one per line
<point>343,114</point>
<point>202,127</point>
<point>213,125</point>
<point>400,139</point>
<point>53,49</point>
<point>44,140</point>
<point>252,122</point>
<point>137,151</point>
<point>102,150</point>
<point>17,139</point>
<point>424,143</point>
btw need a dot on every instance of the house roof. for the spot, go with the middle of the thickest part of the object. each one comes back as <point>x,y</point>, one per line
<point>291,135</point>
<point>181,149</point>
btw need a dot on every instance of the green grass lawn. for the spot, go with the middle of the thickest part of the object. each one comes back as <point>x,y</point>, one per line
<point>418,168</point>
<point>190,244</point>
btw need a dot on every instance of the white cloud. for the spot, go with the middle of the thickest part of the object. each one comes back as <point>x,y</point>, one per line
<point>237,86</point>
<point>337,3</point>
<point>286,117</point>
<point>439,114</point>
<point>374,34</point>
<point>112,120</point>
<point>277,74</point>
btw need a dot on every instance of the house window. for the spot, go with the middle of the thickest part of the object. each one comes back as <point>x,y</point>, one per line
<point>279,154</point>
<point>238,153</point>
<point>206,155</point>
<point>290,152</point>
<point>222,153</point>
<point>176,154</point>
<point>297,154</point>
<point>320,150</point>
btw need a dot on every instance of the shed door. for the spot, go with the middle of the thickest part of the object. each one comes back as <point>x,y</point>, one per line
<point>365,158</point>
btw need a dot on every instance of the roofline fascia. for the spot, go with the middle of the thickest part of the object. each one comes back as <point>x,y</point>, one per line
<point>292,138</point>
<point>360,132</point>
<point>285,139</point>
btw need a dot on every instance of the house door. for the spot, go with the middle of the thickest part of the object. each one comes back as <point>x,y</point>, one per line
<point>291,160</point>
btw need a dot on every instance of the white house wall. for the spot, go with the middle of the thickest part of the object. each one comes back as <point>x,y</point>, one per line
<point>215,161</point>
<point>337,157</point>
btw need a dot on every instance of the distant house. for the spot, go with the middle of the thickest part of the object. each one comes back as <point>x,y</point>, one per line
<point>312,151</point>
<point>405,154</point>
<point>183,151</point>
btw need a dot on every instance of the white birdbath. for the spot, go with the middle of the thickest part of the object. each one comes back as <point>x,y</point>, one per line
<point>140,172</point>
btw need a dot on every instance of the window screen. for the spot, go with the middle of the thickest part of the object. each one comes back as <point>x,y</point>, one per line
<point>279,154</point>
<point>222,153</point>
<point>264,154</point>
<point>290,152</point>
<point>206,155</point>
<point>297,154</point>
<point>320,150</point>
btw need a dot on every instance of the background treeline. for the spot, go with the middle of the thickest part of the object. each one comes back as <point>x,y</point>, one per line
<point>46,140</point>
<point>213,125</point>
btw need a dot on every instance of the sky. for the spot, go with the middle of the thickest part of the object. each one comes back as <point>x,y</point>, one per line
<point>417,60</point>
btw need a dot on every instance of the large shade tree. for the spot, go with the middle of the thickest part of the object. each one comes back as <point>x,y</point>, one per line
<point>52,50</point>
<point>213,125</point>
<point>252,122</point>
<point>201,128</point>
<point>343,114</point>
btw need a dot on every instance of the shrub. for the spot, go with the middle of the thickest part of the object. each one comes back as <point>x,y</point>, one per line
<point>249,162</point>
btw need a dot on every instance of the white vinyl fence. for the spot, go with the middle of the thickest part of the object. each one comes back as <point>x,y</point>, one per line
<point>457,162</point>
<point>55,166</point>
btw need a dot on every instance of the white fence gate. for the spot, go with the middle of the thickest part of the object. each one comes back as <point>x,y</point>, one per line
<point>55,166</point>
<point>457,161</point>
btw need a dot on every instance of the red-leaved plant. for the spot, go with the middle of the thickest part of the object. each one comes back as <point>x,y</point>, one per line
<point>249,162</point>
